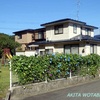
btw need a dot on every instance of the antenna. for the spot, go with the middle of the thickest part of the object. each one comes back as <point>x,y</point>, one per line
<point>78,7</point>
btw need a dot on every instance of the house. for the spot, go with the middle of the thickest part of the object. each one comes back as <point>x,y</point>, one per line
<point>60,36</point>
<point>68,36</point>
<point>24,37</point>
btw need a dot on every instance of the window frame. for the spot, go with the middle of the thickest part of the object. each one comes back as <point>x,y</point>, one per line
<point>40,35</point>
<point>19,36</point>
<point>58,28</point>
<point>70,48</point>
<point>47,51</point>
<point>75,28</point>
<point>88,31</point>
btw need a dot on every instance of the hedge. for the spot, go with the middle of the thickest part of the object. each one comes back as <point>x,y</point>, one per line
<point>55,66</point>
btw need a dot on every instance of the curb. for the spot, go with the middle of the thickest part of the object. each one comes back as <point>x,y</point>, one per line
<point>8,95</point>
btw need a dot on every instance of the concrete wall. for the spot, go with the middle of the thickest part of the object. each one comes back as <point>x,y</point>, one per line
<point>39,88</point>
<point>26,53</point>
<point>20,53</point>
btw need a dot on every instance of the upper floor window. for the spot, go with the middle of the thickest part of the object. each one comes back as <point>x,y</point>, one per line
<point>59,29</point>
<point>74,28</point>
<point>88,31</point>
<point>33,37</point>
<point>19,36</point>
<point>40,35</point>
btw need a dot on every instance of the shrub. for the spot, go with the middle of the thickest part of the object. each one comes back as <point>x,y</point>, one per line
<point>37,69</point>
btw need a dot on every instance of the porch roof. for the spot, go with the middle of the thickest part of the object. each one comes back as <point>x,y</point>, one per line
<point>72,40</point>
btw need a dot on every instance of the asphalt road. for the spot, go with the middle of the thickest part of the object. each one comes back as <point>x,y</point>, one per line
<point>88,91</point>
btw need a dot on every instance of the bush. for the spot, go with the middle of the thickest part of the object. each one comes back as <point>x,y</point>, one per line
<point>36,69</point>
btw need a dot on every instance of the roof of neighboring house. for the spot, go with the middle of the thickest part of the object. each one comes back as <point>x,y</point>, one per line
<point>97,36</point>
<point>28,30</point>
<point>68,20</point>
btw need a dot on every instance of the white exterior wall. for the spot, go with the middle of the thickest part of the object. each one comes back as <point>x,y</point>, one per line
<point>83,31</point>
<point>20,53</point>
<point>67,32</point>
<point>87,49</point>
<point>50,47</point>
<point>29,53</point>
<point>81,48</point>
<point>98,49</point>
<point>92,33</point>
<point>26,53</point>
<point>71,33</point>
<point>59,48</point>
<point>50,35</point>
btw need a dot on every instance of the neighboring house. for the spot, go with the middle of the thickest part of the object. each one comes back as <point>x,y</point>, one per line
<point>68,36</point>
<point>24,37</point>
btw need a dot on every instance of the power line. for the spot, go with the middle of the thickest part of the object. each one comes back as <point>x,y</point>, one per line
<point>15,22</point>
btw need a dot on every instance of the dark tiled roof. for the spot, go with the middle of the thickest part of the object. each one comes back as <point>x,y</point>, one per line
<point>74,39</point>
<point>97,37</point>
<point>68,20</point>
<point>63,20</point>
<point>26,30</point>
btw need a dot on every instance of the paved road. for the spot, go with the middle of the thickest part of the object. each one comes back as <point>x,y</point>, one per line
<point>88,91</point>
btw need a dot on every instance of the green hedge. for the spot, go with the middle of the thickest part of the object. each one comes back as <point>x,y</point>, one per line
<point>36,69</point>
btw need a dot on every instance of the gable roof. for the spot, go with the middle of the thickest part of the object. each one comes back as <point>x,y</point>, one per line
<point>68,20</point>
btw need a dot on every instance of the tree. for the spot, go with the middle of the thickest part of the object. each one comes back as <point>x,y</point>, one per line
<point>7,41</point>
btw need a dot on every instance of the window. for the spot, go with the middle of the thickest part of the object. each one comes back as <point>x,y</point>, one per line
<point>88,31</point>
<point>93,48</point>
<point>42,53</point>
<point>67,49</point>
<point>59,29</point>
<point>75,28</point>
<point>40,35</point>
<point>49,51</point>
<point>33,37</point>
<point>19,36</point>
<point>74,49</point>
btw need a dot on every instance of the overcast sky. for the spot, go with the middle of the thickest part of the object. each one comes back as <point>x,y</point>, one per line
<point>18,15</point>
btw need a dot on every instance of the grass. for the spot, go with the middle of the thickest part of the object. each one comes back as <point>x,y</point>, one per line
<point>4,81</point>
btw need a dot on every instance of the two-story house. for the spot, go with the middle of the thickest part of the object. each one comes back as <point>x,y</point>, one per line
<point>29,35</point>
<point>24,37</point>
<point>68,36</point>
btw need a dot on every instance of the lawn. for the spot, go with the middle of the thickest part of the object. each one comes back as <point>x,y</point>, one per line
<point>4,81</point>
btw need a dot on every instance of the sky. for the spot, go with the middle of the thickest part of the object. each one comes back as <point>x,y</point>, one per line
<point>16,15</point>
